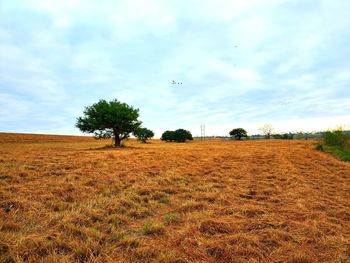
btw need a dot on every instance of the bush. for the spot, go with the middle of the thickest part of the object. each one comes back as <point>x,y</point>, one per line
<point>143,134</point>
<point>337,138</point>
<point>319,147</point>
<point>167,136</point>
<point>180,135</point>
<point>338,143</point>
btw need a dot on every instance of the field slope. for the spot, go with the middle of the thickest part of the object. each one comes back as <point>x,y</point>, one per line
<point>65,199</point>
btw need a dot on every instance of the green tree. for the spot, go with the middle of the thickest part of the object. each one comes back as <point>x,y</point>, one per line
<point>238,133</point>
<point>111,119</point>
<point>180,135</point>
<point>143,134</point>
<point>167,136</point>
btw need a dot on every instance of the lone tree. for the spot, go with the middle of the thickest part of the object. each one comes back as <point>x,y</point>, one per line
<point>238,133</point>
<point>267,130</point>
<point>180,135</point>
<point>111,119</point>
<point>143,134</point>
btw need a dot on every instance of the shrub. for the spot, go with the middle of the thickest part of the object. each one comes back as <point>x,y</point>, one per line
<point>337,138</point>
<point>180,135</point>
<point>143,134</point>
<point>319,147</point>
<point>167,136</point>
<point>338,143</point>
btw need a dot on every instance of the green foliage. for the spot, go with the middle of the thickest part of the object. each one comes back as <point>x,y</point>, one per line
<point>341,153</point>
<point>337,142</point>
<point>319,147</point>
<point>338,138</point>
<point>167,136</point>
<point>109,119</point>
<point>143,134</point>
<point>277,136</point>
<point>180,135</point>
<point>238,133</point>
<point>285,136</point>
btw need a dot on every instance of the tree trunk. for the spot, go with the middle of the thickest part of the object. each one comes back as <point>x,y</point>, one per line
<point>117,141</point>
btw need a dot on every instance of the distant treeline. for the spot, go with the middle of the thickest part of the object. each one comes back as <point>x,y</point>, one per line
<point>281,136</point>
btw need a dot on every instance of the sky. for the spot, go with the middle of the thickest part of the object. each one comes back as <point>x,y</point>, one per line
<point>241,63</point>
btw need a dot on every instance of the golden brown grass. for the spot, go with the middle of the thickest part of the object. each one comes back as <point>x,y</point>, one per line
<point>65,199</point>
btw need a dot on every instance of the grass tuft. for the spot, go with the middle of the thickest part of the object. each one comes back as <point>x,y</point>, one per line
<point>172,218</point>
<point>152,228</point>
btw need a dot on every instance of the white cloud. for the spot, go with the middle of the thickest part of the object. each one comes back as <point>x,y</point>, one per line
<point>13,107</point>
<point>288,64</point>
<point>30,75</point>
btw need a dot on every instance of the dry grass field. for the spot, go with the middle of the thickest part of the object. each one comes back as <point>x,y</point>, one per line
<point>69,199</point>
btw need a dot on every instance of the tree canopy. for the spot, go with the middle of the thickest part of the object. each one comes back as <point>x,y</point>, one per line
<point>109,119</point>
<point>167,136</point>
<point>238,133</point>
<point>267,130</point>
<point>143,134</point>
<point>180,135</point>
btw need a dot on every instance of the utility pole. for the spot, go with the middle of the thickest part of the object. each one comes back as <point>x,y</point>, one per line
<point>202,131</point>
